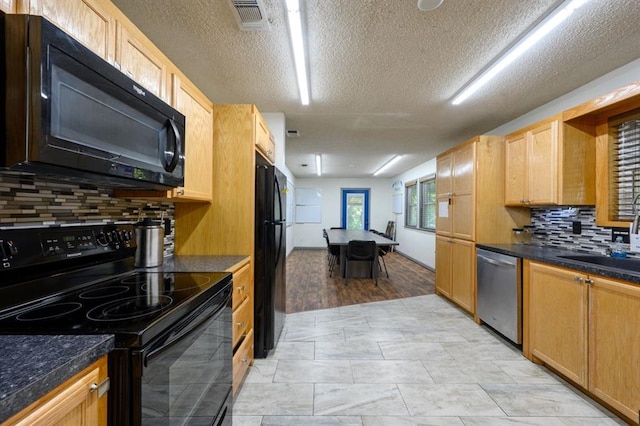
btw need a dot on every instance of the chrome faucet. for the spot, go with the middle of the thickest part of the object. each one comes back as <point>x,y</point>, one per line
<point>636,219</point>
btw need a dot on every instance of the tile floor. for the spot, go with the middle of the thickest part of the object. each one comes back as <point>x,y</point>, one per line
<point>413,361</point>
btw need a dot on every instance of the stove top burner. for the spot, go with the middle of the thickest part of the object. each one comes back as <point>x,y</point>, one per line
<point>130,308</point>
<point>55,310</point>
<point>101,293</point>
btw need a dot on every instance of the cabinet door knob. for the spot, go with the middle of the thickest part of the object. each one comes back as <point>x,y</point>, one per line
<point>577,279</point>
<point>588,281</point>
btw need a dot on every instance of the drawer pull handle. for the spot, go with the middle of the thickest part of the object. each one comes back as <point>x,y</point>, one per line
<point>102,388</point>
<point>240,324</point>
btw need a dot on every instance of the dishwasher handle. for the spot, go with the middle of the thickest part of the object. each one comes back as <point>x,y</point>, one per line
<point>496,262</point>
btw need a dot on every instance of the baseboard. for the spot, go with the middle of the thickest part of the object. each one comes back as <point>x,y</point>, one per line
<point>413,260</point>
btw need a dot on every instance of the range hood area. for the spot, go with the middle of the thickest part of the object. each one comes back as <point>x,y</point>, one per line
<point>68,115</point>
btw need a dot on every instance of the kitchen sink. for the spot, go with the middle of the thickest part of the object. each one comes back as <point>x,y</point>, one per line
<point>611,262</point>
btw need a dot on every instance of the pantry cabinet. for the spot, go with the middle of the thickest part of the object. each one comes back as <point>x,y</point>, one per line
<point>91,22</point>
<point>583,326</point>
<point>550,163</point>
<point>78,401</point>
<point>469,209</point>
<point>455,192</point>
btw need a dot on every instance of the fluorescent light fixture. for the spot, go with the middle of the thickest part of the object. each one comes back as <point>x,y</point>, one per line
<point>297,44</point>
<point>388,164</point>
<point>555,18</point>
<point>319,164</point>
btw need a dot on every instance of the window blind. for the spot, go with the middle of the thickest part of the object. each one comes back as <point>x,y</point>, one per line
<point>428,203</point>
<point>624,158</point>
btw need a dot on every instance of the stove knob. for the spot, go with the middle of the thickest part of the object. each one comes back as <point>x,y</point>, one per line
<point>9,249</point>
<point>101,238</point>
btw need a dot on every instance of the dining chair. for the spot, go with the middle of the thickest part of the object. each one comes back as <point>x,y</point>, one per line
<point>333,252</point>
<point>382,252</point>
<point>363,251</point>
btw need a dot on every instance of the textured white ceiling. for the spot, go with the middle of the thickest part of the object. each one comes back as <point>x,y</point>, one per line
<point>382,73</point>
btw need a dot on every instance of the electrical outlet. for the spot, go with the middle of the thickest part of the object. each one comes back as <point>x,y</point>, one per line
<point>620,232</point>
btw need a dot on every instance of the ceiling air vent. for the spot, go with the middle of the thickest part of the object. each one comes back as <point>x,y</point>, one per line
<point>293,134</point>
<point>251,15</point>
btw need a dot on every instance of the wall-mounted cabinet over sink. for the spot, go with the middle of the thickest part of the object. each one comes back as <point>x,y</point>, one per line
<point>550,163</point>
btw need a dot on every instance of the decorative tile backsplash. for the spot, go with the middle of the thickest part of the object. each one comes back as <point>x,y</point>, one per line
<point>553,226</point>
<point>29,201</point>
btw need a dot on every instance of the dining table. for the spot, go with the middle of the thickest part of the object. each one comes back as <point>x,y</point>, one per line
<point>341,237</point>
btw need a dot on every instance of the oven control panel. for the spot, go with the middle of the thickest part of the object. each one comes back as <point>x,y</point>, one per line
<point>35,246</point>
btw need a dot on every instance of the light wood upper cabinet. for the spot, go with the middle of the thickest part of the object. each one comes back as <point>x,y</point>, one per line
<point>91,22</point>
<point>550,163</point>
<point>263,138</point>
<point>141,61</point>
<point>455,174</point>
<point>8,6</point>
<point>557,306</point>
<point>74,402</point>
<point>198,110</point>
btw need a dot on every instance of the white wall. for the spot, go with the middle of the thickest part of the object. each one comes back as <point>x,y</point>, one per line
<point>309,235</point>
<point>418,245</point>
<point>276,123</point>
<point>617,78</point>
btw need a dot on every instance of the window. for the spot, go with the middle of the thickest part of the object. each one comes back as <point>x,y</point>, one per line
<point>625,156</point>
<point>428,203</point>
<point>411,197</point>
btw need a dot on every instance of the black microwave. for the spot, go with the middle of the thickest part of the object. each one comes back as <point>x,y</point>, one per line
<point>67,113</point>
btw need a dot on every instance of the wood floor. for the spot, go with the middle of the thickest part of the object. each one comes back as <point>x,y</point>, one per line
<point>309,286</point>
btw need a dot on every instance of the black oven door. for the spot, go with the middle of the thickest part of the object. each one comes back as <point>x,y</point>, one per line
<point>185,376</point>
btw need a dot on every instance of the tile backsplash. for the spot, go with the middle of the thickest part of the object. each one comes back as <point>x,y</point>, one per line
<point>26,200</point>
<point>554,227</point>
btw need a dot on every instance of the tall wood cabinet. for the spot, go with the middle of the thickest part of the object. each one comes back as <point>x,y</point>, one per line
<point>226,226</point>
<point>76,402</point>
<point>469,209</point>
<point>584,326</point>
<point>550,163</point>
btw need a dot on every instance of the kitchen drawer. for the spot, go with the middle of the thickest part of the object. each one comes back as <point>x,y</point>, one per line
<point>242,321</point>
<point>241,361</point>
<point>241,285</point>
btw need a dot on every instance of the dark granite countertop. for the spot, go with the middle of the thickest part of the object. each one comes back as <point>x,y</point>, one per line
<point>197,263</point>
<point>551,255</point>
<point>31,366</point>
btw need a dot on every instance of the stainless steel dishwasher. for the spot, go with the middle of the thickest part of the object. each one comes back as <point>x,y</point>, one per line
<point>500,293</point>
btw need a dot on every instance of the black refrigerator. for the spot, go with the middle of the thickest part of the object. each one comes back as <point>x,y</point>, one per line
<point>270,256</point>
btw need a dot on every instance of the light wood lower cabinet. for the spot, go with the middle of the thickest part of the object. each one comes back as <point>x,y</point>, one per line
<point>242,335</point>
<point>558,320</point>
<point>455,271</point>
<point>614,338</point>
<point>586,328</point>
<point>73,403</point>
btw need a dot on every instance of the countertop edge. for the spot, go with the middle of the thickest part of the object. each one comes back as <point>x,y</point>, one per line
<point>35,380</point>
<point>550,255</point>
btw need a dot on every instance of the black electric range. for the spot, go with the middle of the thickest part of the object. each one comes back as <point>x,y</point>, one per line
<point>82,280</point>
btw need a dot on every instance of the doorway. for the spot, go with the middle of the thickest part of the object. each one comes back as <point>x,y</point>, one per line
<point>355,209</point>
